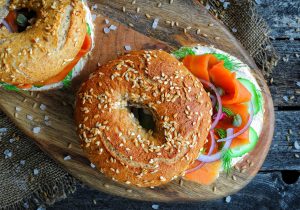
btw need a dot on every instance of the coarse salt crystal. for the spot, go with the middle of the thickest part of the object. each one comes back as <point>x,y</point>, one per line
<point>258,1</point>
<point>228,199</point>
<point>94,7</point>
<point>226,4</point>
<point>68,157</point>
<point>296,145</point>
<point>106,30</point>
<point>207,7</point>
<point>113,27</point>
<point>127,47</point>
<point>36,171</point>
<point>29,117</point>
<point>106,21</point>
<point>285,98</point>
<point>22,162</point>
<point>234,30</point>
<point>298,84</point>
<point>93,166</point>
<point>155,206</point>
<point>3,130</point>
<point>155,23</point>
<point>7,153</point>
<point>41,208</point>
<point>94,17</point>
<point>43,107</point>
<point>36,130</point>
<point>46,118</point>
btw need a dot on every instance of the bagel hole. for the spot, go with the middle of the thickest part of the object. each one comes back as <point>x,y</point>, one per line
<point>19,20</point>
<point>144,117</point>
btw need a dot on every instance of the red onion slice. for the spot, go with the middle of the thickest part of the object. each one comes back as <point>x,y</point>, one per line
<point>4,22</point>
<point>218,155</point>
<point>211,149</point>
<point>243,129</point>
<point>213,100</point>
<point>218,117</point>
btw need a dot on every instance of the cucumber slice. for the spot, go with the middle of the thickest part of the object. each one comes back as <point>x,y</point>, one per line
<point>241,150</point>
<point>256,98</point>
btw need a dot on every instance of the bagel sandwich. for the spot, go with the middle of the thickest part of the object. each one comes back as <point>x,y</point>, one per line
<point>206,105</point>
<point>43,45</point>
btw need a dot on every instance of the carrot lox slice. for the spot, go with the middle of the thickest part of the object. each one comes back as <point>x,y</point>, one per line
<point>199,65</point>
<point>206,175</point>
<point>242,110</point>
<point>235,92</point>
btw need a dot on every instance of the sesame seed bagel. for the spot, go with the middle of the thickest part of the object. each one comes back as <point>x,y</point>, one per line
<point>46,47</point>
<point>113,138</point>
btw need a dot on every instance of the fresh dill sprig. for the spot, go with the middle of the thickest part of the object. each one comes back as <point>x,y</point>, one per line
<point>183,52</point>
<point>226,160</point>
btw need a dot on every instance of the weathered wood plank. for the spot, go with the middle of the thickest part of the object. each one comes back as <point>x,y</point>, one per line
<point>286,74</point>
<point>266,191</point>
<point>282,152</point>
<point>282,16</point>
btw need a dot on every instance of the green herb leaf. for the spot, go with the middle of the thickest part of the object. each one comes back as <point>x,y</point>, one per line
<point>227,111</point>
<point>221,132</point>
<point>21,20</point>
<point>227,159</point>
<point>237,120</point>
<point>67,80</point>
<point>183,52</point>
<point>89,31</point>
<point>9,87</point>
<point>229,63</point>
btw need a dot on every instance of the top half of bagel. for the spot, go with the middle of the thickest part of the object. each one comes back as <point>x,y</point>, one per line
<point>47,46</point>
<point>115,141</point>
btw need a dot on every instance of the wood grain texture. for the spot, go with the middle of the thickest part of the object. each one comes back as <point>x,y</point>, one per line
<point>55,139</point>
<point>282,18</point>
<point>286,74</point>
<point>266,191</point>
<point>282,154</point>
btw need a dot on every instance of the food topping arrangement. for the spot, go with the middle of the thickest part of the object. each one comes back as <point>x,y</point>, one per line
<point>237,105</point>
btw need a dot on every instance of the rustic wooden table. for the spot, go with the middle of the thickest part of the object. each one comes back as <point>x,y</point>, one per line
<point>277,185</point>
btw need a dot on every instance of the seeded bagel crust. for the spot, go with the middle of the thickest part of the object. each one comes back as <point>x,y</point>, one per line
<point>113,139</point>
<point>46,47</point>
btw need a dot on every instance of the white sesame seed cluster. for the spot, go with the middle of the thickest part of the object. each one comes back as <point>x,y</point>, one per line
<point>114,140</point>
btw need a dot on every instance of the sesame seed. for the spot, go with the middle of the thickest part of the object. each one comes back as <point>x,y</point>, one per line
<point>148,16</point>
<point>124,9</point>
<point>159,4</point>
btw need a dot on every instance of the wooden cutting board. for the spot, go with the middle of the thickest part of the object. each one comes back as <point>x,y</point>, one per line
<point>58,138</point>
